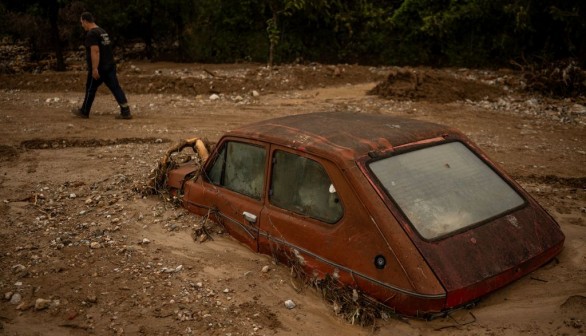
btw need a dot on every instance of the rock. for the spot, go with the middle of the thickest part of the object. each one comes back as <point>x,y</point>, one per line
<point>214,97</point>
<point>255,93</point>
<point>16,298</point>
<point>41,304</point>
<point>8,295</point>
<point>95,245</point>
<point>145,241</point>
<point>172,270</point>
<point>72,195</point>
<point>265,269</point>
<point>290,304</point>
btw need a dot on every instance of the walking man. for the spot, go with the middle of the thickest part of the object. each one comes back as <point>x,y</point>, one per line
<point>101,68</point>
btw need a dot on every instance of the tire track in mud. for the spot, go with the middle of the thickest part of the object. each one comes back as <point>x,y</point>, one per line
<point>60,143</point>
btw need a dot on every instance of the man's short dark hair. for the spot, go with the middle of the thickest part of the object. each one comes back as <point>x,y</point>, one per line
<point>87,16</point>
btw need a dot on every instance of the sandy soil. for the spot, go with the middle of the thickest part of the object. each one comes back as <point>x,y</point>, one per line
<point>82,253</point>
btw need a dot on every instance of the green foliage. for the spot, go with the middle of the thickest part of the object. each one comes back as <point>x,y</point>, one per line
<point>399,32</point>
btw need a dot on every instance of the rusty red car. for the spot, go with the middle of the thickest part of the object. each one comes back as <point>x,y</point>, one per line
<point>410,213</point>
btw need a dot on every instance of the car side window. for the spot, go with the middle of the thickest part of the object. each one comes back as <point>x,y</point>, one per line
<point>239,167</point>
<point>302,185</point>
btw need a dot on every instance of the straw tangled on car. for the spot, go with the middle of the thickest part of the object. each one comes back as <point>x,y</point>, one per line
<point>173,157</point>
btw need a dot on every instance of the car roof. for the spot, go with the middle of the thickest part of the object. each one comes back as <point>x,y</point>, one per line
<point>349,134</point>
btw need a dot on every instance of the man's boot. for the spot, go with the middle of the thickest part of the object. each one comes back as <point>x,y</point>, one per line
<point>124,113</point>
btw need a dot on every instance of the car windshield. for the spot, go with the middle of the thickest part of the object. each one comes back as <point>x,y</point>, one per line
<point>444,188</point>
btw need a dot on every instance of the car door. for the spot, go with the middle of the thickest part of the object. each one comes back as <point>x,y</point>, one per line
<point>234,187</point>
<point>302,209</point>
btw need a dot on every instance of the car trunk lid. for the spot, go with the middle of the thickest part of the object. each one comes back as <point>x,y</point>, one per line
<point>473,263</point>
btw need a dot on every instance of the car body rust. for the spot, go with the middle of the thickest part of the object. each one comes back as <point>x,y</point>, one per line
<point>372,245</point>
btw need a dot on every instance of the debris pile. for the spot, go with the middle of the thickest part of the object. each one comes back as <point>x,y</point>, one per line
<point>562,79</point>
<point>174,157</point>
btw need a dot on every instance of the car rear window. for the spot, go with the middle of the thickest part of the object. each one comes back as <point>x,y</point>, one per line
<point>444,188</point>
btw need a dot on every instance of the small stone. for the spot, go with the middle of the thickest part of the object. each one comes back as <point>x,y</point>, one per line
<point>146,241</point>
<point>226,290</point>
<point>290,304</point>
<point>214,97</point>
<point>255,93</point>
<point>41,304</point>
<point>265,269</point>
<point>95,245</point>
<point>16,298</point>
<point>8,295</point>
<point>92,299</point>
<point>72,195</point>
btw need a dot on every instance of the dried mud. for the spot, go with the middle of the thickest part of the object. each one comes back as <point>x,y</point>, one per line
<point>83,253</point>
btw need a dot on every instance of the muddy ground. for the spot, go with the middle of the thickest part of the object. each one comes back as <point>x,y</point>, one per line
<point>82,253</point>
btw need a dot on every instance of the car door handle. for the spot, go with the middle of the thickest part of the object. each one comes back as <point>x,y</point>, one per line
<point>249,217</point>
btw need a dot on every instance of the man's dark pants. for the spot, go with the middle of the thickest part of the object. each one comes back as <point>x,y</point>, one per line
<point>108,77</point>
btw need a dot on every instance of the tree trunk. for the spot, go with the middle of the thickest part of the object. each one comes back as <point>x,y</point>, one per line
<point>272,40</point>
<point>148,33</point>
<point>55,40</point>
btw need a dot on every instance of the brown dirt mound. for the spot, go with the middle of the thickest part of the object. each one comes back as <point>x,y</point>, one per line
<point>432,85</point>
<point>194,79</point>
<point>64,143</point>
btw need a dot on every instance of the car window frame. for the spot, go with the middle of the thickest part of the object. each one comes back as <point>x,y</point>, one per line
<point>320,161</point>
<point>394,206</point>
<point>217,152</point>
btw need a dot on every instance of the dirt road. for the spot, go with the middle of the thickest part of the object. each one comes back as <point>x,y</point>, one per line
<point>82,253</point>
